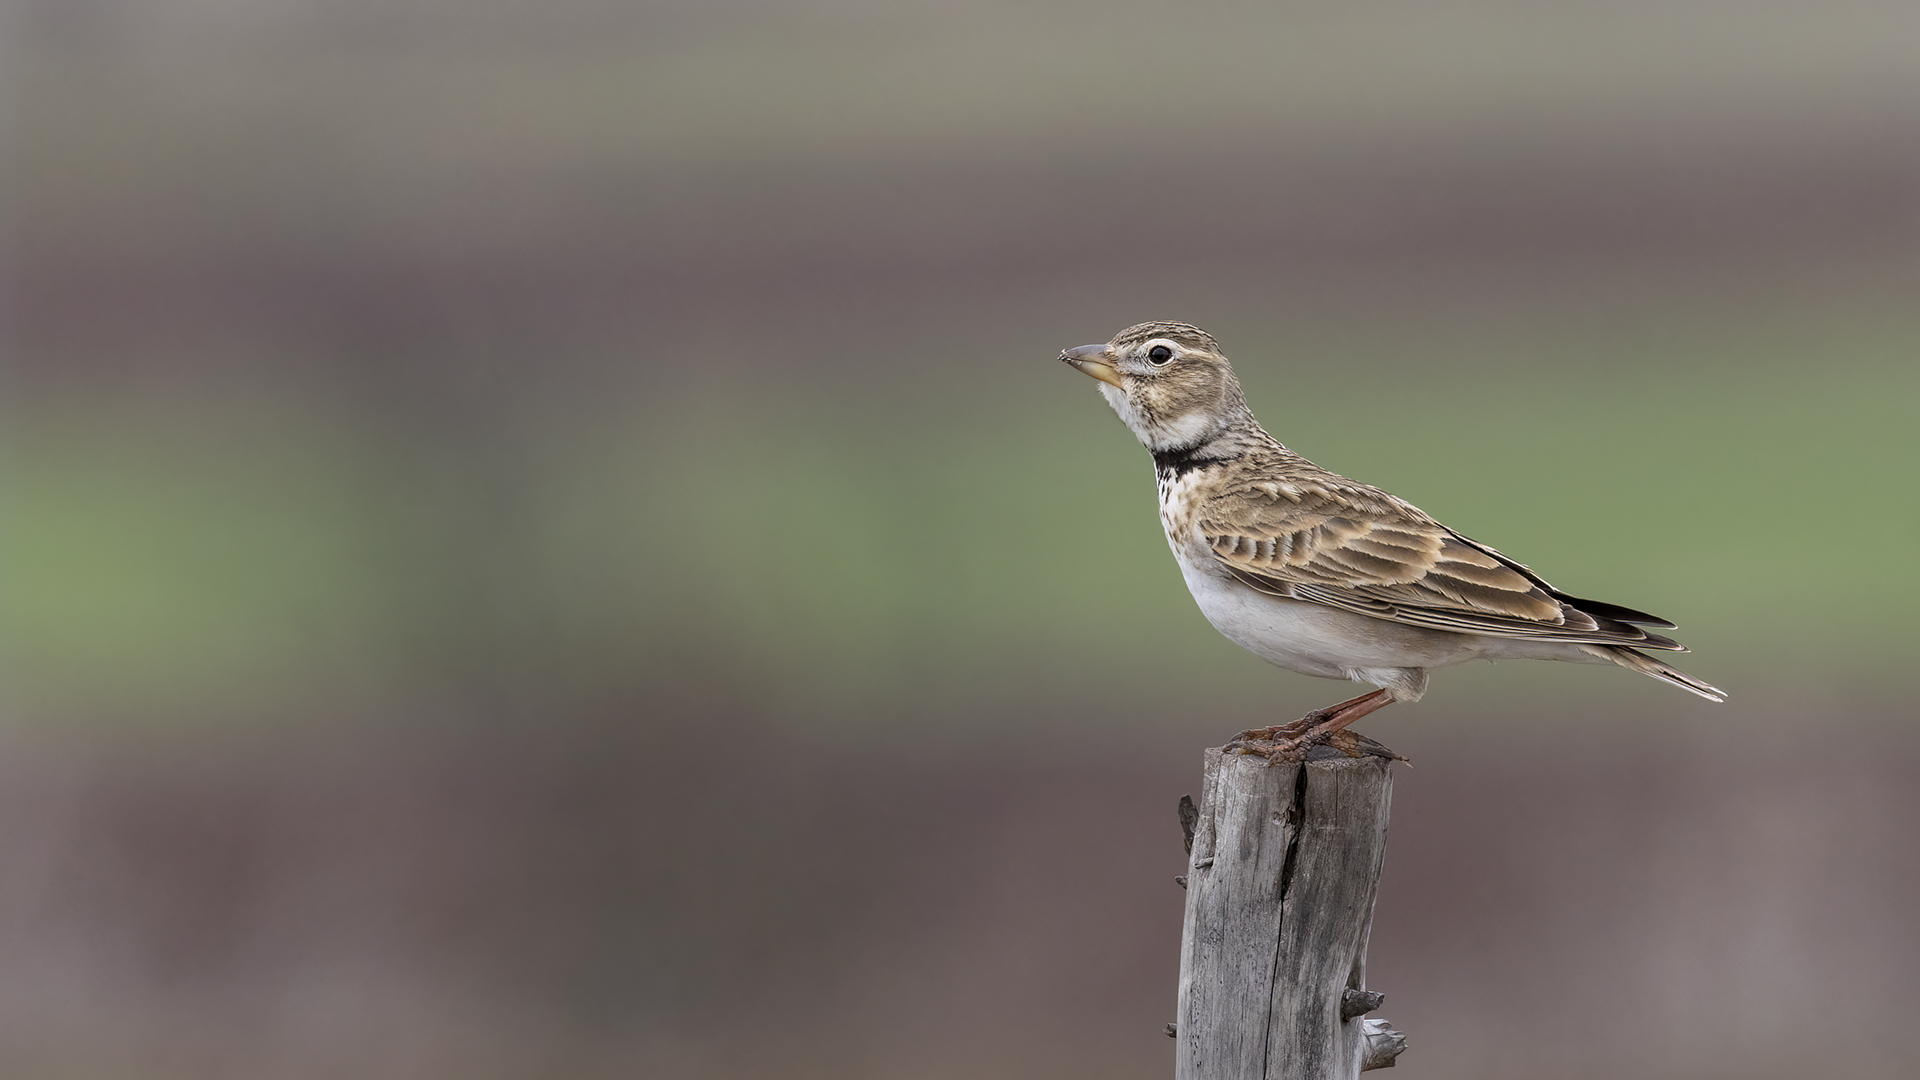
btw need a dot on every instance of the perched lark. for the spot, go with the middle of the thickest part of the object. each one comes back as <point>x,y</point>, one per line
<point>1324,575</point>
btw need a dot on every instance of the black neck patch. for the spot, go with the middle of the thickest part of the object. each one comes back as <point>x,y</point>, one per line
<point>1174,464</point>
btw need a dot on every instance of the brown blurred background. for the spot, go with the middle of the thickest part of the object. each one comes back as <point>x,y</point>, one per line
<point>548,539</point>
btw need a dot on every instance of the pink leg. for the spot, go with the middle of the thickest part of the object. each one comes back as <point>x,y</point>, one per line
<point>1316,725</point>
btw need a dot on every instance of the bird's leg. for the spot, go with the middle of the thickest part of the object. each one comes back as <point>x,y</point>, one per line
<point>1311,728</point>
<point>1306,723</point>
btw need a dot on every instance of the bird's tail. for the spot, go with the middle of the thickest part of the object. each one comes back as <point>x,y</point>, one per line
<point>1647,665</point>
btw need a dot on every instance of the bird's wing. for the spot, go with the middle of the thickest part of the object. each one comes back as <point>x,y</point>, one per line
<point>1354,547</point>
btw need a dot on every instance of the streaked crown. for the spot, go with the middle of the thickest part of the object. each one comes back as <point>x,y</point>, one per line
<point>1181,333</point>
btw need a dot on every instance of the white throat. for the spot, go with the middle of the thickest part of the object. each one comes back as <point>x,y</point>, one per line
<point>1160,432</point>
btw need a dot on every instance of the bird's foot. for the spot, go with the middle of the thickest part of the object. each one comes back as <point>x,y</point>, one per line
<point>1322,728</point>
<point>1304,740</point>
<point>1261,740</point>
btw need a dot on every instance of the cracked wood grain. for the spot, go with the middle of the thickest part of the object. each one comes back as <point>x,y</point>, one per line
<point>1281,879</point>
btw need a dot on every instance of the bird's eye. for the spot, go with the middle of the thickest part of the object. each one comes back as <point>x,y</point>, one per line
<point>1159,355</point>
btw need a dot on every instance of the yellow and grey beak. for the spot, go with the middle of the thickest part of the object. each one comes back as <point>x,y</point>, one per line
<point>1095,360</point>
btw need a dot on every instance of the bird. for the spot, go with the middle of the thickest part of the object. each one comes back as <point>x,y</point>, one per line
<point>1328,576</point>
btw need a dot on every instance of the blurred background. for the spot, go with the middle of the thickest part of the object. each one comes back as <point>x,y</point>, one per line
<point>549,540</point>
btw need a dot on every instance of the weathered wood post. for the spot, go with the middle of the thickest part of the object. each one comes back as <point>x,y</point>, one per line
<point>1284,865</point>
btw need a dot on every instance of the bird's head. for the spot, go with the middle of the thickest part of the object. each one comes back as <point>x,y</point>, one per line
<point>1169,383</point>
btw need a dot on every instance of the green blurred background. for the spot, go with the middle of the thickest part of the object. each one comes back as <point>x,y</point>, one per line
<point>548,539</point>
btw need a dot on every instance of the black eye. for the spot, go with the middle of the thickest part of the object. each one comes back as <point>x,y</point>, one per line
<point>1158,355</point>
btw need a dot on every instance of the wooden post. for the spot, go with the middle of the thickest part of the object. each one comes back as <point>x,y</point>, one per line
<point>1284,865</point>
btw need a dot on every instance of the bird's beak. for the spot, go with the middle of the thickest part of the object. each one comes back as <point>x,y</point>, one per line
<point>1095,360</point>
